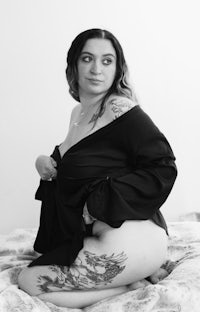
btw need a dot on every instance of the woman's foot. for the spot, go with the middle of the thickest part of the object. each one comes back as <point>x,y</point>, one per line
<point>156,277</point>
<point>139,284</point>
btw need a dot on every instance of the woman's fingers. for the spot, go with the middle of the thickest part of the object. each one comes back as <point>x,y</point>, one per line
<point>53,162</point>
<point>49,174</point>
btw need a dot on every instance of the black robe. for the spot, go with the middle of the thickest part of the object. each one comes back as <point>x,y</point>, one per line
<point>124,171</point>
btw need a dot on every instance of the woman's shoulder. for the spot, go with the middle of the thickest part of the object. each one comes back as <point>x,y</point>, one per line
<point>117,105</point>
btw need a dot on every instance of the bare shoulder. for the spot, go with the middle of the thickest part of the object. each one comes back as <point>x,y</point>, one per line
<point>117,106</point>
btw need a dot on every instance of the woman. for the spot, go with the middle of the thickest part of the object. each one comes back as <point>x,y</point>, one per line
<point>100,230</point>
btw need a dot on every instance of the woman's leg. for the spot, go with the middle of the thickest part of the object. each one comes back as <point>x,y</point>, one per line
<point>50,286</point>
<point>108,262</point>
<point>80,298</point>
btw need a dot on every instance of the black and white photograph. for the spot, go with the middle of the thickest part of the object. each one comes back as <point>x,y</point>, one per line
<point>100,132</point>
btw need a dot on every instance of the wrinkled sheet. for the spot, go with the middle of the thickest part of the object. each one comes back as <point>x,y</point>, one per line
<point>179,291</point>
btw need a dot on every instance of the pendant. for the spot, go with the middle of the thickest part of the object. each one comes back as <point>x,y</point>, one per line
<point>76,123</point>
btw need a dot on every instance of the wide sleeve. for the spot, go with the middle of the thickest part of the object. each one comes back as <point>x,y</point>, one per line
<point>149,178</point>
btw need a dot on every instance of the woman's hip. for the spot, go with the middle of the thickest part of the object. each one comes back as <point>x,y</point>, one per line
<point>130,232</point>
<point>125,254</point>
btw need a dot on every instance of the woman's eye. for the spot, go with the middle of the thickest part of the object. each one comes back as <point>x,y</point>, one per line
<point>107,61</point>
<point>86,59</point>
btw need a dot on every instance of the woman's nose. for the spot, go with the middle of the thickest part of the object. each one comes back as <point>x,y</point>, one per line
<point>96,68</point>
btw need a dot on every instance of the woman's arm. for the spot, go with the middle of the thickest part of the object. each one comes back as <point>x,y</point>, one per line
<point>151,173</point>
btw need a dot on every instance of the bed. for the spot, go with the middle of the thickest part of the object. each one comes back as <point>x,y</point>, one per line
<point>178,291</point>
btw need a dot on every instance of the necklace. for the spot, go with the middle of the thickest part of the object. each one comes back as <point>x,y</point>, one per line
<point>77,123</point>
<point>85,114</point>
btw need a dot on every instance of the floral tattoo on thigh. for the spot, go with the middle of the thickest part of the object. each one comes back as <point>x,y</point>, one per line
<point>93,271</point>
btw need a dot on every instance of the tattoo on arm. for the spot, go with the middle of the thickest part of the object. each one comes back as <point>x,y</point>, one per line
<point>120,106</point>
<point>86,274</point>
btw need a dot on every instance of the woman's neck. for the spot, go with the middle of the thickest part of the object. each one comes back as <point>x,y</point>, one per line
<point>90,102</point>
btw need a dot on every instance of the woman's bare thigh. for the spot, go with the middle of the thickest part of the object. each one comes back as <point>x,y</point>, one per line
<point>112,258</point>
<point>124,255</point>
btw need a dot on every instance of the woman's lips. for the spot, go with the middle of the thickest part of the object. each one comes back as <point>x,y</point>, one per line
<point>95,80</point>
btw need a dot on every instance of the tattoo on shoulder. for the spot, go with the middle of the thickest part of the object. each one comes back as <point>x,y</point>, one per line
<point>87,273</point>
<point>119,106</point>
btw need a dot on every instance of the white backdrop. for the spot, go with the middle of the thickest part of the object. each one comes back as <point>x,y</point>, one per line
<point>161,44</point>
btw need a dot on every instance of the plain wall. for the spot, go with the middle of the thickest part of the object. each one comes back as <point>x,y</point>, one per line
<point>161,44</point>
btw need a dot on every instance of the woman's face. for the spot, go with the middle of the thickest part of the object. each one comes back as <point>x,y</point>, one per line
<point>96,67</point>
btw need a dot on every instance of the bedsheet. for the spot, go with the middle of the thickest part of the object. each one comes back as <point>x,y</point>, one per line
<point>178,291</point>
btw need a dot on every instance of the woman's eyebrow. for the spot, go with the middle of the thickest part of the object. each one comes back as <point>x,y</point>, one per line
<point>107,54</point>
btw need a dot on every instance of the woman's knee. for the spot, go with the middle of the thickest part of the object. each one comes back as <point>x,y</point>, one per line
<point>26,282</point>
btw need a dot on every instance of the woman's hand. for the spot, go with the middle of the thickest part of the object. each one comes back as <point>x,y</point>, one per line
<point>45,166</point>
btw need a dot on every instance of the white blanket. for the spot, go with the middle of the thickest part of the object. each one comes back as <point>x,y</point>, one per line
<point>179,291</point>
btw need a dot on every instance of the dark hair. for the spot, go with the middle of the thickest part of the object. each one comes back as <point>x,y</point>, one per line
<point>120,84</point>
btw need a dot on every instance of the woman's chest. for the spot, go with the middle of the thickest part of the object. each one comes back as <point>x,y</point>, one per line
<point>96,155</point>
<point>77,133</point>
